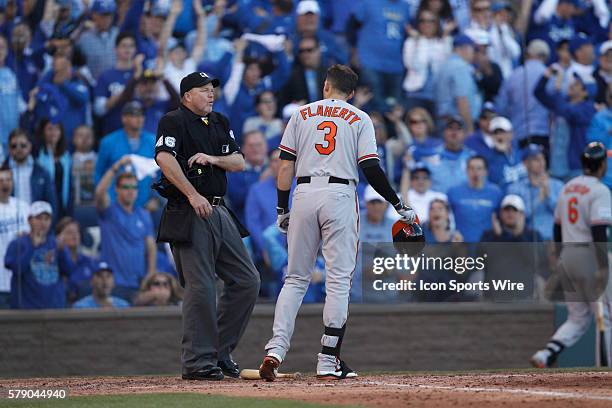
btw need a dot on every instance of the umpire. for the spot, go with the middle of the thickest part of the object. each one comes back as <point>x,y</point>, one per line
<point>194,149</point>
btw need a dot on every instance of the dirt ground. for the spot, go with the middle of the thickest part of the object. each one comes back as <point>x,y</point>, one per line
<point>538,389</point>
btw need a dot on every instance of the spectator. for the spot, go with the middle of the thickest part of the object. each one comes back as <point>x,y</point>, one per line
<point>269,17</point>
<point>247,79</point>
<point>83,165</point>
<point>260,213</point>
<point>424,52</point>
<point>583,55</point>
<point>132,139</point>
<point>10,99</point>
<point>266,120</point>
<point>254,149</point>
<point>37,264</point>
<point>31,182</point>
<point>14,221</point>
<point>456,92</point>
<point>438,228</point>
<point>446,12</point>
<point>481,141</point>
<point>177,63</point>
<point>146,21</point>
<point>539,191</point>
<point>305,84</point>
<point>422,131</point>
<point>78,265</point>
<point>503,158</point>
<point>420,194</point>
<point>159,289</point>
<point>603,73</point>
<point>379,47</point>
<point>26,61</point>
<point>578,111</point>
<point>145,87</point>
<point>503,48</point>
<point>600,130</point>
<point>127,231</point>
<point>516,101</point>
<point>511,225</point>
<point>554,21</point>
<point>487,73</point>
<point>448,161</point>
<point>102,284</point>
<point>474,202</point>
<point>71,94</point>
<point>375,225</point>
<point>55,159</point>
<point>308,24</point>
<point>97,42</point>
<point>108,94</point>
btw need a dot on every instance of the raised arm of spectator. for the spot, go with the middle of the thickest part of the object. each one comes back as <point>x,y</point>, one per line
<point>201,34</point>
<point>101,197</point>
<point>151,249</point>
<point>552,101</point>
<point>232,86</point>
<point>602,12</point>
<point>175,9</point>
<point>545,11</point>
<point>47,24</point>
<point>522,21</point>
<point>131,21</point>
<point>18,257</point>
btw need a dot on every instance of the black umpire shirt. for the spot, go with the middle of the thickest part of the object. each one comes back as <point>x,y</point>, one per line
<point>183,133</point>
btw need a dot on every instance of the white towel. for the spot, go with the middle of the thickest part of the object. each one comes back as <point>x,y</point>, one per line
<point>143,167</point>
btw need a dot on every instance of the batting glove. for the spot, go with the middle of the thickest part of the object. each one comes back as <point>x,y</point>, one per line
<point>282,219</point>
<point>408,215</point>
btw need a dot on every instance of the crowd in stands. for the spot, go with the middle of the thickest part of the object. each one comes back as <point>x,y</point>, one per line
<point>481,109</point>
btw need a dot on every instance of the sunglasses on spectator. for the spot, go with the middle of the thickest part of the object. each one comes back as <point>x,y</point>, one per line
<point>163,283</point>
<point>427,20</point>
<point>481,9</point>
<point>19,145</point>
<point>267,101</point>
<point>416,121</point>
<point>303,50</point>
<point>128,187</point>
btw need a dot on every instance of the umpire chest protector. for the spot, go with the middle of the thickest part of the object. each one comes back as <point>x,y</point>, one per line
<point>184,134</point>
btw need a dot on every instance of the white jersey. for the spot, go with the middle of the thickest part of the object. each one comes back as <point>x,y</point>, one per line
<point>329,138</point>
<point>13,220</point>
<point>583,202</point>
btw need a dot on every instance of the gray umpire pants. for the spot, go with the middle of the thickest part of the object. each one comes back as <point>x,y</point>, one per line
<point>211,331</point>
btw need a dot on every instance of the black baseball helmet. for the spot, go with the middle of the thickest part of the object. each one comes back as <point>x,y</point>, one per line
<point>407,238</point>
<point>593,156</point>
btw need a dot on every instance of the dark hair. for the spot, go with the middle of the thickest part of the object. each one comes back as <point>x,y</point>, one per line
<point>260,95</point>
<point>446,13</point>
<point>5,167</point>
<point>18,132</point>
<point>63,223</point>
<point>123,176</point>
<point>311,38</point>
<point>60,148</point>
<point>342,78</point>
<point>438,22</point>
<point>478,157</point>
<point>123,35</point>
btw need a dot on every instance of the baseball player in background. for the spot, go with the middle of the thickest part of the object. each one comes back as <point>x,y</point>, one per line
<point>582,216</point>
<point>322,146</point>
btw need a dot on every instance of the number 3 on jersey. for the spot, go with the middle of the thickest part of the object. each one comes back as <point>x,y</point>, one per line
<point>330,129</point>
<point>572,211</point>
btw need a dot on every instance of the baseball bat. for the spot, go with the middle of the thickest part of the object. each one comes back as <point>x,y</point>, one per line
<point>602,357</point>
<point>251,374</point>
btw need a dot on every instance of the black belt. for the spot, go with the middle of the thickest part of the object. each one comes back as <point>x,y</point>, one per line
<point>215,201</point>
<point>332,179</point>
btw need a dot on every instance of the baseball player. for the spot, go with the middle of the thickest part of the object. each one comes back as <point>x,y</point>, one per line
<point>322,146</point>
<point>582,216</point>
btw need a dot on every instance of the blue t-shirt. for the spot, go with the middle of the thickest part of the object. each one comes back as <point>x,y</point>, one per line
<point>123,242</point>
<point>448,168</point>
<point>88,302</point>
<point>79,273</point>
<point>9,107</point>
<point>110,83</point>
<point>472,208</point>
<point>382,34</point>
<point>37,281</point>
<point>456,79</point>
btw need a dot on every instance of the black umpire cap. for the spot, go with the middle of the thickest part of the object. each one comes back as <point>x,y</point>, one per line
<point>196,80</point>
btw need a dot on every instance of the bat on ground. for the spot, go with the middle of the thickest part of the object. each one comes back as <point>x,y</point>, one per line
<point>251,374</point>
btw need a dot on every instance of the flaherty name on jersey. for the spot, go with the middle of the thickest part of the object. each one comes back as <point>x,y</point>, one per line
<point>330,112</point>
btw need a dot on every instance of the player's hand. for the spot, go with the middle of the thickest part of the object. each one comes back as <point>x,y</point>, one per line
<point>201,158</point>
<point>282,219</point>
<point>408,215</point>
<point>201,205</point>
